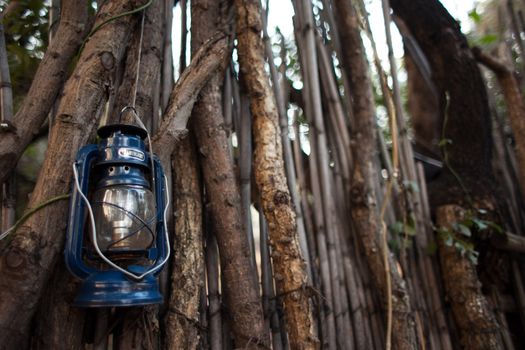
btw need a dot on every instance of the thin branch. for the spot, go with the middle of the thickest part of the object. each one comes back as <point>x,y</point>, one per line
<point>205,62</point>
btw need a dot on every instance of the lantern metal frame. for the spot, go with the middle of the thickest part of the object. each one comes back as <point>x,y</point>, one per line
<point>115,286</point>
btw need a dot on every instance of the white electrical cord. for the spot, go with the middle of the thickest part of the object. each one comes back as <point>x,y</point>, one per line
<point>94,231</point>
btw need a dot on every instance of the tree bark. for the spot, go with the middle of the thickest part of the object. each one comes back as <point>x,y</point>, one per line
<point>55,311</point>
<point>210,57</point>
<point>515,106</point>
<point>364,209</point>
<point>477,324</point>
<point>462,100</point>
<point>182,319</point>
<point>46,85</point>
<point>139,328</point>
<point>149,71</point>
<point>29,260</point>
<point>241,288</point>
<point>289,268</point>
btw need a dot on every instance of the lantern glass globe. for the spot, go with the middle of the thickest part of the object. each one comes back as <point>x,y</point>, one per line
<point>124,218</point>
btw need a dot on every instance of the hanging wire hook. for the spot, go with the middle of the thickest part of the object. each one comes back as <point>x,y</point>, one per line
<point>139,57</point>
<point>125,109</point>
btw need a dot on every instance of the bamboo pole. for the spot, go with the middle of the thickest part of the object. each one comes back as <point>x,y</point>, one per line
<point>268,292</point>
<point>227,103</point>
<point>431,281</point>
<point>167,55</point>
<point>337,136</point>
<point>214,299</point>
<point>183,35</point>
<point>7,196</point>
<point>327,325</point>
<point>303,194</point>
<point>407,156</point>
<point>322,157</point>
<point>244,133</point>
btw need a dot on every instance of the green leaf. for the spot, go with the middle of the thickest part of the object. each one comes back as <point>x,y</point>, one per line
<point>444,142</point>
<point>460,248</point>
<point>495,226</point>
<point>464,230</point>
<point>410,230</point>
<point>397,227</point>
<point>475,16</point>
<point>473,257</point>
<point>488,39</point>
<point>480,224</point>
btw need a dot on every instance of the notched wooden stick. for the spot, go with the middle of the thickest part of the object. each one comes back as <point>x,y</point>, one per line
<point>211,56</point>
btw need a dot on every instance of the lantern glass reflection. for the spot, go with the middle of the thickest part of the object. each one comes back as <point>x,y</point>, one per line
<point>124,218</point>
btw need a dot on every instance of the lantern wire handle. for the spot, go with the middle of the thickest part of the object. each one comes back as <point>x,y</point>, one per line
<point>94,231</point>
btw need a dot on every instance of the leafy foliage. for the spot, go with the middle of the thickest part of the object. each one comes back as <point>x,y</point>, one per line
<point>26,33</point>
<point>460,233</point>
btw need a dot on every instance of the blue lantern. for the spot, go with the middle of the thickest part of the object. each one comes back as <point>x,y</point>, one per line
<point>121,190</point>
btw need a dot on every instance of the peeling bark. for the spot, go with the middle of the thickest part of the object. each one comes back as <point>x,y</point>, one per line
<point>289,268</point>
<point>182,318</point>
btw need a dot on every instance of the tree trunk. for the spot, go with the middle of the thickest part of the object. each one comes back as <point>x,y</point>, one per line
<point>241,288</point>
<point>477,324</point>
<point>465,117</point>
<point>29,260</point>
<point>289,267</point>
<point>182,319</point>
<point>46,85</point>
<point>55,311</point>
<point>364,209</point>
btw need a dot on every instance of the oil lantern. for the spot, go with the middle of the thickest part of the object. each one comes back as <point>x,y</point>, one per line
<point>117,238</point>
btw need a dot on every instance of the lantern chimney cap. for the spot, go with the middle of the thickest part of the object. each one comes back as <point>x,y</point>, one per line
<point>127,129</point>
